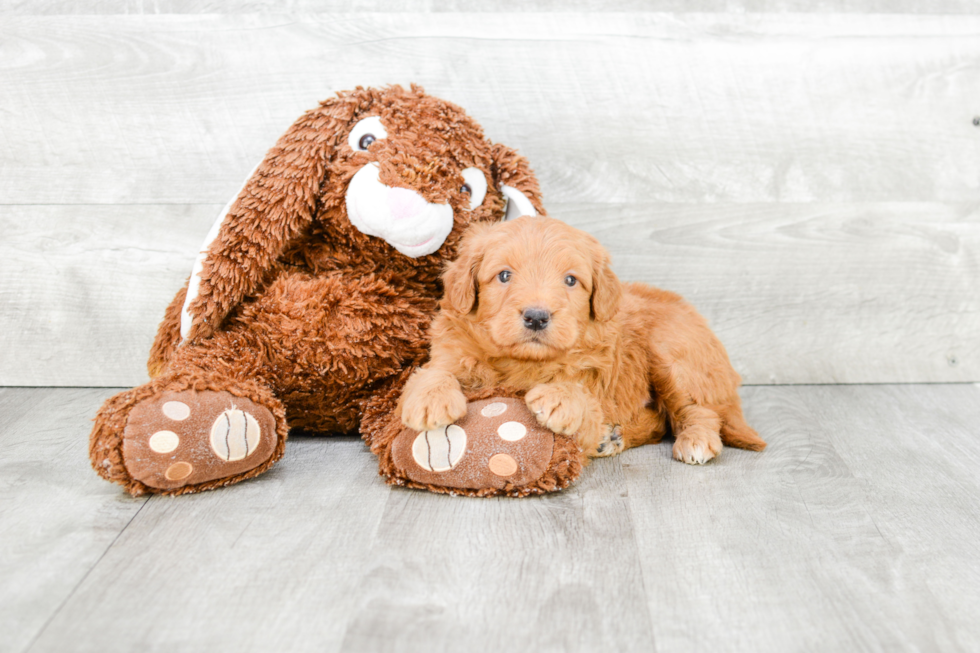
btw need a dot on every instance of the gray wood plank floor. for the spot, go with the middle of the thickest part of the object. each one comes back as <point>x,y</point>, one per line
<point>854,531</point>
<point>806,173</point>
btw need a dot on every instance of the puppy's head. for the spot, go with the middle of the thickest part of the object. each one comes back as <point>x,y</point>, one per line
<point>534,284</point>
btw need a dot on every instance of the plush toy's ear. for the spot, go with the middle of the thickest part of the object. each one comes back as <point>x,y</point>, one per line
<point>277,202</point>
<point>606,288</point>
<point>460,285</point>
<point>513,176</point>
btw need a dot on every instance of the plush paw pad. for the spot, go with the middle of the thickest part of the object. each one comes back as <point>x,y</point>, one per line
<point>235,434</point>
<point>612,443</point>
<point>439,450</point>
<point>183,438</point>
<point>498,443</point>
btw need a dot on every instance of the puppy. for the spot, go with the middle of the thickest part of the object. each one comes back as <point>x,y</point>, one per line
<point>532,304</point>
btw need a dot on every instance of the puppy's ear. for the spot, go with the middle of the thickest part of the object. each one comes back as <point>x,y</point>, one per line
<point>606,288</point>
<point>460,285</point>
<point>516,181</point>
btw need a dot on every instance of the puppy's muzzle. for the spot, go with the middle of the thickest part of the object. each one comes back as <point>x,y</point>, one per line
<point>536,319</point>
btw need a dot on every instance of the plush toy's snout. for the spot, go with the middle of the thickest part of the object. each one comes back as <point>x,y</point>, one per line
<point>399,216</point>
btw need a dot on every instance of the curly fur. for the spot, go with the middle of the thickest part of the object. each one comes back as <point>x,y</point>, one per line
<point>616,358</point>
<point>299,310</point>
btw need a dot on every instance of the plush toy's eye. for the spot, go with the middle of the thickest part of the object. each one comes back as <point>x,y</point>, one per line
<point>504,276</point>
<point>366,132</point>
<point>475,186</point>
<point>570,281</point>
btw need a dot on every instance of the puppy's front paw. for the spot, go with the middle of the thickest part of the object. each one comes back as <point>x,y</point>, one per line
<point>612,442</point>
<point>434,409</point>
<point>430,401</point>
<point>555,408</point>
<point>696,446</point>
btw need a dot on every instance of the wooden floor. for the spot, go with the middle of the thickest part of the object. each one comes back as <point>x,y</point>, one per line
<point>806,173</point>
<point>856,530</point>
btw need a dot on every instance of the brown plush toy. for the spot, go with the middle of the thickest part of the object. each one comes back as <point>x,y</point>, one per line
<point>497,448</point>
<point>309,303</point>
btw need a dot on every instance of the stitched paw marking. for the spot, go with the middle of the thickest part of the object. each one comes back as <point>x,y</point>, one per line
<point>176,410</point>
<point>164,441</point>
<point>511,431</point>
<point>439,450</point>
<point>502,465</point>
<point>494,409</point>
<point>235,434</point>
<point>178,471</point>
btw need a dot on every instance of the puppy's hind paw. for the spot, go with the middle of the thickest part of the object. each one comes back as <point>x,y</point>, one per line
<point>612,443</point>
<point>697,449</point>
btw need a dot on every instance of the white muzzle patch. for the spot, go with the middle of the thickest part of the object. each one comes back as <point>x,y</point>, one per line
<point>399,216</point>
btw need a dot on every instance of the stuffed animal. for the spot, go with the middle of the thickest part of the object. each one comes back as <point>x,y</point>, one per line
<point>309,303</point>
<point>497,448</point>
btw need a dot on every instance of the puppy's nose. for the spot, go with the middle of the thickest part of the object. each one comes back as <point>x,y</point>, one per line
<point>536,319</point>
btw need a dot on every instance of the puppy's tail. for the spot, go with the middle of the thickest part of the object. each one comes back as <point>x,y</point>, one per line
<point>736,433</point>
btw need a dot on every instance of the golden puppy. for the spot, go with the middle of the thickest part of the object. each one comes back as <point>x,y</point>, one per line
<point>532,304</point>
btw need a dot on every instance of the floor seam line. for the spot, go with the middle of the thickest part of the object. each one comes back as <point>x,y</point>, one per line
<point>61,606</point>
<point>639,554</point>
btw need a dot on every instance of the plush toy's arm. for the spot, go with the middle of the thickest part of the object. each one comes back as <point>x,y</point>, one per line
<point>277,202</point>
<point>168,335</point>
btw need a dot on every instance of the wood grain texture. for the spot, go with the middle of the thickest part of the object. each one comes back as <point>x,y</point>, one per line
<point>319,554</point>
<point>57,518</point>
<point>63,7</point>
<point>608,107</point>
<point>558,573</point>
<point>83,288</point>
<point>808,180</point>
<point>812,293</point>
<point>854,530</point>
<point>269,565</point>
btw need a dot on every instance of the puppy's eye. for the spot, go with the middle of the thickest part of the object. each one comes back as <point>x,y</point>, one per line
<point>366,132</point>
<point>570,281</point>
<point>474,185</point>
<point>504,276</point>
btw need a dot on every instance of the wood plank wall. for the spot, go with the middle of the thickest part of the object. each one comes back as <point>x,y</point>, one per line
<point>807,174</point>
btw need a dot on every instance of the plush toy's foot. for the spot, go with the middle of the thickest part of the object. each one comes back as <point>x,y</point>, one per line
<point>497,448</point>
<point>178,439</point>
